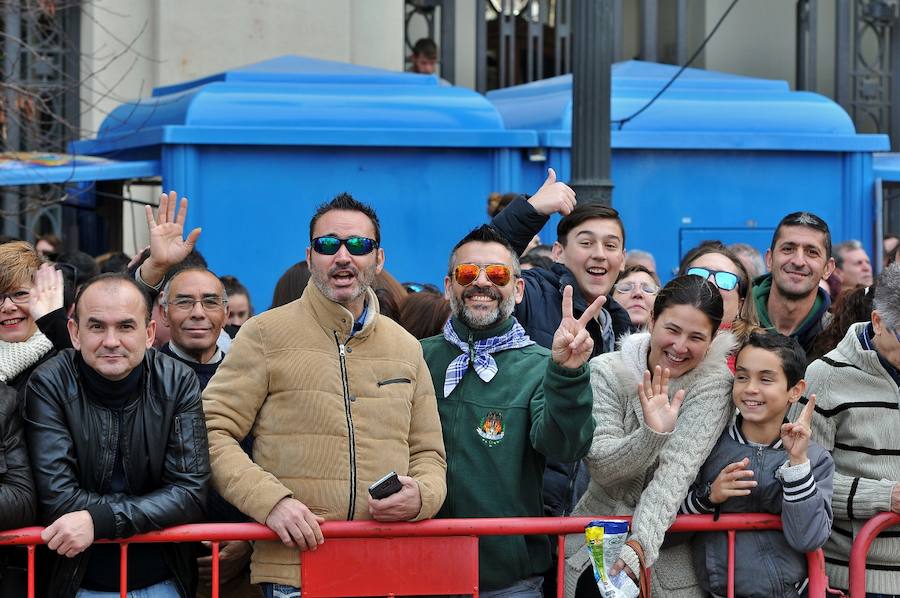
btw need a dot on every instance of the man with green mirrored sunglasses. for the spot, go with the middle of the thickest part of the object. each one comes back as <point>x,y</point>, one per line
<point>336,396</point>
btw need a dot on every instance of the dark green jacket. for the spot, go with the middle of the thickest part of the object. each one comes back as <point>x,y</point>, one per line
<point>808,329</point>
<point>497,435</point>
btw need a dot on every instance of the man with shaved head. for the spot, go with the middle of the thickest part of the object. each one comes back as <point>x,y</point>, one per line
<point>118,444</point>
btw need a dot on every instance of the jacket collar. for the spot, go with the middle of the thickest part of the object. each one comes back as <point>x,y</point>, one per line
<point>734,430</point>
<point>337,318</point>
<point>463,331</point>
<point>858,349</point>
<point>762,287</point>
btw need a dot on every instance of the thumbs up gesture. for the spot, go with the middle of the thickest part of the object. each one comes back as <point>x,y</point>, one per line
<point>553,196</point>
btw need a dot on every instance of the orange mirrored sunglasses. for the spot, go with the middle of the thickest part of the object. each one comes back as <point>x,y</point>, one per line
<point>499,274</point>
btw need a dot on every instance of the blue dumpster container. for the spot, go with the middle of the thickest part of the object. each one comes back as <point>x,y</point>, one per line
<point>718,156</point>
<point>257,148</point>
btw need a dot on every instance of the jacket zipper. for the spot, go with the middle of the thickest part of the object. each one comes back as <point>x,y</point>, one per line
<point>109,468</point>
<point>770,567</point>
<point>347,413</point>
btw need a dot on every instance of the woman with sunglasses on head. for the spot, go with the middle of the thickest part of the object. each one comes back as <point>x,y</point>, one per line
<point>635,290</point>
<point>32,318</point>
<point>660,403</point>
<point>715,262</point>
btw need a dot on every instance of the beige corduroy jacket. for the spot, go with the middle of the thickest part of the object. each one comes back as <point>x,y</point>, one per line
<point>329,415</point>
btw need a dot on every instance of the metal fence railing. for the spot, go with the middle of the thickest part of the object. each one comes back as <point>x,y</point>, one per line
<point>439,556</point>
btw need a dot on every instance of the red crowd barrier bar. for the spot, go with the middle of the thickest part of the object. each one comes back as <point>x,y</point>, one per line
<point>435,529</point>
<point>859,551</point>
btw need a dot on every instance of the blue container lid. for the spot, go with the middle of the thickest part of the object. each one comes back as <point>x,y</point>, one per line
<point>610,526</point>
<point>886,166</point>
<point>701,110</point>
<point>293,100</point>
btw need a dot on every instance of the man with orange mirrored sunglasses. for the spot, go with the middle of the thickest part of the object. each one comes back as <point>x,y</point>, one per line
<point>506,403</point>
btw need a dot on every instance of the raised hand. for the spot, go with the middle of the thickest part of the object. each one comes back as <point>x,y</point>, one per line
<point>795,436</point>
<point>553,196</point>
<point>47,292</point>
<point>572,343</point>
<point>732,481</point>
<point>659,414</point>
<point>167,245</point>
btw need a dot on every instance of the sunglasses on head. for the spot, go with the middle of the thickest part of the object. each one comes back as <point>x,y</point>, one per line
<point>330,245</point>
<point>727,281</point>
<point>466,274</point>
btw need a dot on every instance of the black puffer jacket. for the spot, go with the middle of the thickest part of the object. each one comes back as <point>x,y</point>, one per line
<point>540,311</point>
<point>73,441</point>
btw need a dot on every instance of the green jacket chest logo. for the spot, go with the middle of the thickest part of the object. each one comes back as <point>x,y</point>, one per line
<point>491,429</point>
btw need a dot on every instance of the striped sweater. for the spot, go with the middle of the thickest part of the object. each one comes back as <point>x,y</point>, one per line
<point>857,420</point>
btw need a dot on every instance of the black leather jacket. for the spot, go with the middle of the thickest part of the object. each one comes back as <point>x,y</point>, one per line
<point>16,484</point>
<point>73,442</point>
<point>16,487</point>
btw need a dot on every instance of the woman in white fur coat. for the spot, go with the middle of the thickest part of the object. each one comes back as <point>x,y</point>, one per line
<point>654,431</point>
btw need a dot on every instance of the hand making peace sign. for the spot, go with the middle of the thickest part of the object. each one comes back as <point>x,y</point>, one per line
<point>795,436</point>
<point>572,343</point>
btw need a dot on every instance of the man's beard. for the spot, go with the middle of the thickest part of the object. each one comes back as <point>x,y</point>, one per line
<point>481,319</point>
<point>365,278</point>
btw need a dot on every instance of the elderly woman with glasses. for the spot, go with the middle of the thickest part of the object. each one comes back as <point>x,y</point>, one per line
<point>635,290</point>
<point>32,318</point>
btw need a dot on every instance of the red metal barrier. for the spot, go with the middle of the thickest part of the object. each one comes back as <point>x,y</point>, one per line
<point>463,555</point>
<point>859,551</point>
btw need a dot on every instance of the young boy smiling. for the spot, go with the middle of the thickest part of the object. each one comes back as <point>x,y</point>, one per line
<point>764,464</point>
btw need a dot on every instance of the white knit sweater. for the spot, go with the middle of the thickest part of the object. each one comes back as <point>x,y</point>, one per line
<point>635,470</point>
<point>15,358</point>
<point>857,419</point>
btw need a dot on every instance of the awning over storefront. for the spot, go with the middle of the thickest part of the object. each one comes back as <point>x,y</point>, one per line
<point>36,168</point>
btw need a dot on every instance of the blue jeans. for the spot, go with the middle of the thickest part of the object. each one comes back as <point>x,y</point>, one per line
<point>163,589</point>
<point>277,590</point>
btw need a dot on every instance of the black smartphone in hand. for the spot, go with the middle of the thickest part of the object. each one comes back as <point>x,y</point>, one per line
<point>389,484</point>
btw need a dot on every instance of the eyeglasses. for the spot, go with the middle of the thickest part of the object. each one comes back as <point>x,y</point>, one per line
<point>498,274</point>
<point>627,287</point>
<point>330,245</point>
<point>17,297</point>
<point>727,281</point>
<point>210,304</point>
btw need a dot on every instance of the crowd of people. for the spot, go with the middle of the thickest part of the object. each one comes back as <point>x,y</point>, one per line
<point>559,379</point>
